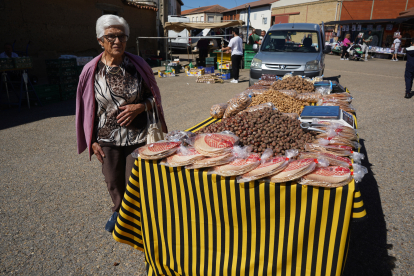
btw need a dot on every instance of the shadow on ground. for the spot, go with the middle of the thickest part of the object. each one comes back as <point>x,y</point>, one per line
<point>368,246</point>
<point>11,117</point>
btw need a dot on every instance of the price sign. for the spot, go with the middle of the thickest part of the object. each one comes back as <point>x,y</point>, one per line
<point>348,118</point>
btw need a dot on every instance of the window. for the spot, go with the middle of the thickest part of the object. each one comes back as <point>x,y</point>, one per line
<point>291,41</point>
<point>241,16</point>
<point>210,19</point>
<point>255,16</point>
<point>264,20</point>
<point>202,18</point>
<point>192,19</point>
<point>197,19</point>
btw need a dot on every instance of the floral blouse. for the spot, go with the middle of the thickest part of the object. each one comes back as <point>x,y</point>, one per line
<point>113,89</point>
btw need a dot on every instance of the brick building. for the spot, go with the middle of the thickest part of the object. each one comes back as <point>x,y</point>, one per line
<point>373,9</point>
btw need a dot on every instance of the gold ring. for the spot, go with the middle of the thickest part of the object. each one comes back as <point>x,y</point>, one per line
<point>127,119</point>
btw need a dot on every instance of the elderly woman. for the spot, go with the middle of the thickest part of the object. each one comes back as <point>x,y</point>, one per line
<point>345,46</point>
<point>115,92</point>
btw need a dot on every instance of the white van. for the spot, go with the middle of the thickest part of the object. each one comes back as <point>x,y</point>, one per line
<point>182,38</point>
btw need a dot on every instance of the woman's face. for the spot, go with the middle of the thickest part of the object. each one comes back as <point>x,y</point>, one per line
<point>114,41</point>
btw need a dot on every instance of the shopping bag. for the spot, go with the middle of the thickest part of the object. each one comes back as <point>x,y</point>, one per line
<point>154,127</point>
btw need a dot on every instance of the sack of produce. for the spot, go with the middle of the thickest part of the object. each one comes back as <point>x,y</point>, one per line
<point>282,102</point>
<point>244,161</point>
<point>211,161</point>
<point>290,93</point>
<point>237,104</point>
<point>268,106</point>
<point>324,90</point>
<point>158,150</point>
<point>183,157</point>
<point>269,166</point>
<point>298,168</point>
<point>294,83</point>
<point>332,158</point>
<point>291,115</point>
<point>333,176</point>
<point>215,144</point>
<point>217,111</point>
<point>265,82</point>
<point>312,97</point>
<point>268,77</point>
<point>287,75</point>
<point>317,79</point>
<point>255,91</point>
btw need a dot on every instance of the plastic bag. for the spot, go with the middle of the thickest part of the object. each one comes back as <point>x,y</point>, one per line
<point>334,149</point>
<point>217,110</point>
<point>342,105</point>
<point>332,158</point>
<point>312,97</point>
<point>211,161</point>
<point>183,157</point>
<point>344,96</point>
<point>256,86</point>
<point>290,93</point>
<point>157,150</point>
<point>287,75</point>
<point>308,79</point>
<point>317,79</point>
<point>260,107</point>
<point>186,137</point>
<point>292,115</point>
<point>244,162</point>
<point>359,172</point>
<point>357,157</point>
<point>268,77</point>
<point>338,141</point>
<point>324,90</point>
<point>238,103</point>
<point>265,82</point>
<point>215,144</point>
<point>298,168</point>
<point>256,92</point>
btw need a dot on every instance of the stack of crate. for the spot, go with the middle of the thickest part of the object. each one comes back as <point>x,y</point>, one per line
<point>65,73</point>
<point>48,93</point>
<point>22,62</point>
<point>248,57</point>
<point>6,63</point>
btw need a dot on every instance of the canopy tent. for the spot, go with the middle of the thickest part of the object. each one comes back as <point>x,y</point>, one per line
<point>180,26</point>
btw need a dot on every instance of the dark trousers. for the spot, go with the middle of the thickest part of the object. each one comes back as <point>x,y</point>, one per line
<point>409,75</point>
<point>116,168</point>
<point>235,63</point>
<point>345,52</point>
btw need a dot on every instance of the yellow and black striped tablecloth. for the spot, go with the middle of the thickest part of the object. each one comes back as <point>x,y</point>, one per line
<point>190,223</point>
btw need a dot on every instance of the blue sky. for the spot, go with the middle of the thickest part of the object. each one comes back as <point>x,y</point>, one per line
<point>190,4</point>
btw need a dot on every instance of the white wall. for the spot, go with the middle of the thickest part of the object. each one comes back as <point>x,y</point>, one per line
<point>260,12</point>
<point>283,3</point>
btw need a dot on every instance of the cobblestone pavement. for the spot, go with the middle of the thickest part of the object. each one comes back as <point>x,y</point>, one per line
<point>55,203</point>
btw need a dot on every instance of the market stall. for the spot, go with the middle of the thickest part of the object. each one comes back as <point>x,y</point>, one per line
<point>201,222</point>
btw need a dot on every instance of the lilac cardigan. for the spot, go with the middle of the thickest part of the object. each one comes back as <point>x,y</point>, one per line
<point>85,99</point>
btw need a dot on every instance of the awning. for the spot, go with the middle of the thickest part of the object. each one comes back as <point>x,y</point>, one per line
<point>366,21</point>
<point>407,13</point>
<point>180,26</point>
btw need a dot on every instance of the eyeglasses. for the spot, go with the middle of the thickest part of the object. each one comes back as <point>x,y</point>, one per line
<point>112,38</point>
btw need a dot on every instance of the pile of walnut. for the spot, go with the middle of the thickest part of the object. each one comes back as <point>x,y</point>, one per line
<point>282,102</point>
<point>265,128</point>
<point>297,83</point>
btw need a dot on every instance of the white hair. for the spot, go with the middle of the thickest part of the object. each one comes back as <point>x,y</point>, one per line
<point>109,20</point>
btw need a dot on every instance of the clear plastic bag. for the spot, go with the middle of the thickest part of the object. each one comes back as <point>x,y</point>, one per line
<point>291,115</point>
<point>183,157</point>
<point>334,149</point>
<point>268,77</point>
<point>290,93</point>
<point>298,168</point>
<point>215,144</point>
<point>344,96</point>
<point>157,150</point>
<point>324,90</point>
<point>312,97</point>
<point>260,107</point>
<point>338,141</point>
<point>332,158</point>
<point>359,172</point>
<point>317,79</point>
<point>211,161</point>
<point>256,91</point>
<point>287,75</point>
<point>186,137</point>
<point>265,82</point>
<point>217,111</point>
<point>244,162</point>
<point>238,103</point>
<point>342,105</point>
<point>308,79</point>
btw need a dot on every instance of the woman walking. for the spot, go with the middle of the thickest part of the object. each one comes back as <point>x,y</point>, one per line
<point>345,46</point>
<point>116,90</point>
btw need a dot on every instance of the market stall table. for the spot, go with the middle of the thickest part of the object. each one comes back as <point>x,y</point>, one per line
<point>190,223</point>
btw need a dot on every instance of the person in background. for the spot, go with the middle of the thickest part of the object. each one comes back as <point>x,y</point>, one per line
<point>345,45</point>
<point>236,47</point>
<point>8,52</point>
<point>115,95</point>
<point>262,35</point>
<point>253,38</point>
<point>397,43</point>
<point>409,70</point>
<point>202,46</point>
<point>367,42</point>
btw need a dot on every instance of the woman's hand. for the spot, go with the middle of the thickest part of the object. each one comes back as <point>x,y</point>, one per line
<point>129,113</point>
<point>97,150</point>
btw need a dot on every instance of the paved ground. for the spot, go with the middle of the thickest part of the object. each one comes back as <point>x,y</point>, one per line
<point>55,203</point>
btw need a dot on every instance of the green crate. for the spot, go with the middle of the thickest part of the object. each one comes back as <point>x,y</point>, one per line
<point>22,62</point>
<point>249,54</point>
<point>47,90</point>
<point>211,60</point>
<point>61,72</point>
<point>63,80</point>
<point>6,63</point>
<point>248,47</point>
<point>60,63</point>
<point>247,65</point>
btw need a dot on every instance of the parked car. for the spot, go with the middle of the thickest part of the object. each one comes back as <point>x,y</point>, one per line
<point>290,47</point>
